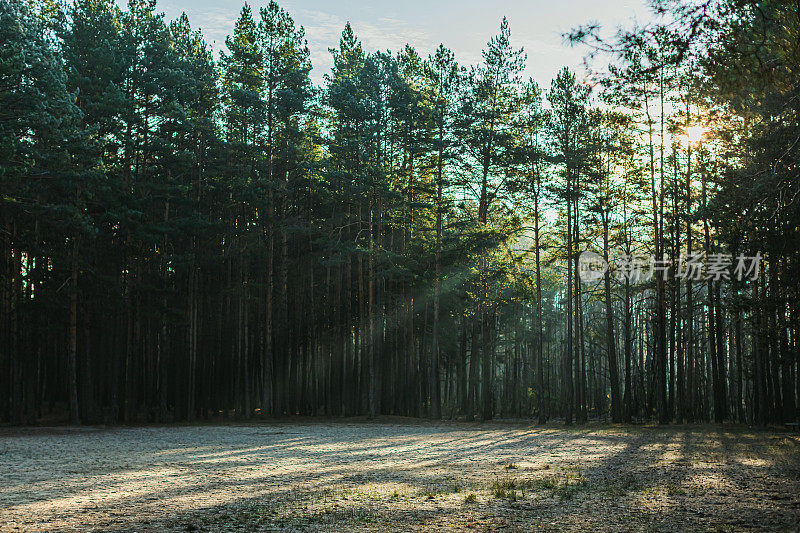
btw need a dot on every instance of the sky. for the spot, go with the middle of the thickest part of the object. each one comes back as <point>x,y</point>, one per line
<point>464,26</point>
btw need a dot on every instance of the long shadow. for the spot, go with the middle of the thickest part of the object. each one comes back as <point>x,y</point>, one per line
<point>632,470</point>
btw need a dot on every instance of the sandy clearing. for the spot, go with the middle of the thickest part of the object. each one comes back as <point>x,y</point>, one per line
<point>397,476</point>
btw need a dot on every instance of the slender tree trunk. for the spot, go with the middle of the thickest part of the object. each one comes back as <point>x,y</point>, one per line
<point>539,325</point>
<point>436,406</point>
<point>691,386</point>
<point>371,314</point>
<point>616,410</point>
<point>72,366</point>
<point>568,356</point>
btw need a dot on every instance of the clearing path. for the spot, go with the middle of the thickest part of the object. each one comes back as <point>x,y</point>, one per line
<point>398,476</point>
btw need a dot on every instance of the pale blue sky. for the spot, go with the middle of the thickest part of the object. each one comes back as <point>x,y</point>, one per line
<point>464,26</point>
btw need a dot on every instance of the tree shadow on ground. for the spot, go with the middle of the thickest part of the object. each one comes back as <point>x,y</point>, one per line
<point>393,477</point>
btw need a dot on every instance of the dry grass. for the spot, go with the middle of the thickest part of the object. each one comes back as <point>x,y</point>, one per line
<point>398,477</point>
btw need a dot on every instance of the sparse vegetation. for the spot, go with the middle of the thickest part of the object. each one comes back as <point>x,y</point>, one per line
<point>504,488</point>
<point>381,478</point>
<point>674,490</point>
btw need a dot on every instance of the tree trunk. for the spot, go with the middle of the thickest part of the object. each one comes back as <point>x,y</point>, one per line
<point>72,365</point>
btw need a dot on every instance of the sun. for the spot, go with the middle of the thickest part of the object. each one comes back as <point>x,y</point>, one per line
<point>695,134</point>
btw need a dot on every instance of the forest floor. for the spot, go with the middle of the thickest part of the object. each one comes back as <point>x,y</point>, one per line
<point>398,475</point>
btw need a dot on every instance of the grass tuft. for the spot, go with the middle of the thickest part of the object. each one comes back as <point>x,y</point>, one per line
<point>562,486</point>
<point>505,488</point>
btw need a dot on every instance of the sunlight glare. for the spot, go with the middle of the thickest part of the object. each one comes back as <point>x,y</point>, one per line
<point>695,134</point>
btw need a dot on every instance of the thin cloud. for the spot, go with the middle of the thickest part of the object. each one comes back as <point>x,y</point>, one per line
<point>323,31</point>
